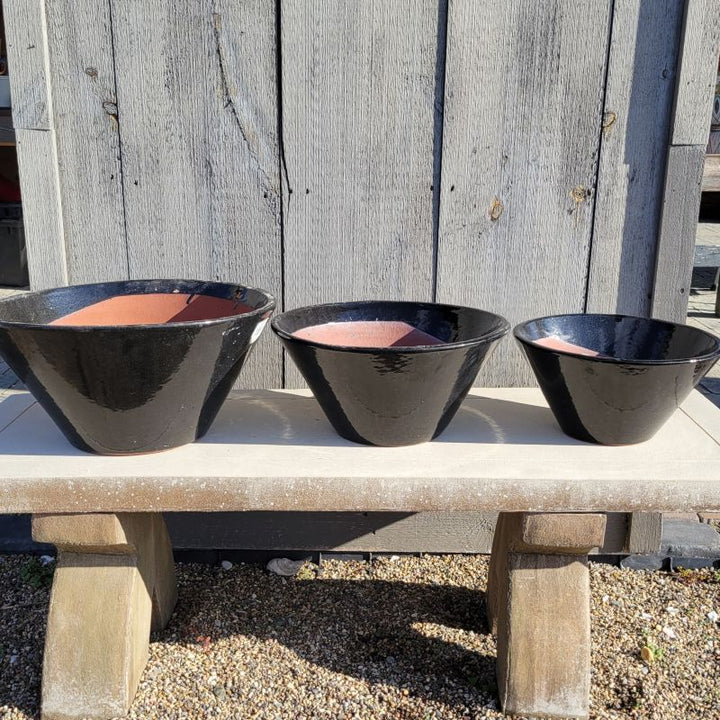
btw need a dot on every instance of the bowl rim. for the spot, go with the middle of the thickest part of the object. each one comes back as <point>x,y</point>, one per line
<point>268,306</point>
<point>501,331</point>
<point>520,327</point>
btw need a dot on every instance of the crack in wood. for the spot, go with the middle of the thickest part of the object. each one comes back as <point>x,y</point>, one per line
<point>247,134</point>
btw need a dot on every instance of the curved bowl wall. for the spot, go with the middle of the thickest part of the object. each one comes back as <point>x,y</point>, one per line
<point>615,379</point>
<point>389,373</point>
<point>133,366</point>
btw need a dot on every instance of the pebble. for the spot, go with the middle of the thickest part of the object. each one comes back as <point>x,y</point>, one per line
<point>284,567</point>
<point>226,565</point>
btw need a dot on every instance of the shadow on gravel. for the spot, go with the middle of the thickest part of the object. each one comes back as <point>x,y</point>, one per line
<point>363,628</point>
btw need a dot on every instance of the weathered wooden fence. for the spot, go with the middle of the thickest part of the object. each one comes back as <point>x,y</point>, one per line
<point>528,156</point>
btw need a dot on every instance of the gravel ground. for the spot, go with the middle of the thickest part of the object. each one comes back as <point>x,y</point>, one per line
<point>401,638</point>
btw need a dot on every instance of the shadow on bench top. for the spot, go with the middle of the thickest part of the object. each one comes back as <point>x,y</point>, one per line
<point>274,450</point>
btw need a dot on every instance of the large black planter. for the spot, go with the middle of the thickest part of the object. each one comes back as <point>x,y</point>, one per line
<point>389,373</point>
<point>615,379</point>
<point>132,366</point>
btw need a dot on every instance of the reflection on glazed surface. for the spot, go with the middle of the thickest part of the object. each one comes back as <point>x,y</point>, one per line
<point>389,394</point>
<point>129,389</point>
<point>641,372</point>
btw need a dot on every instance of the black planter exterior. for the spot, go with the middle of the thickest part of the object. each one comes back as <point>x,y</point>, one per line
<point>644,371</point>
<point>392,395</point>
<point>132,388</point>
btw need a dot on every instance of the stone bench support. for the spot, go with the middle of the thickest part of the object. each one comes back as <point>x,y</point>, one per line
<point>539,608</point>
<point>114,583</point>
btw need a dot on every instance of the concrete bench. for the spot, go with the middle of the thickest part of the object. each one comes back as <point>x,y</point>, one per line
<point>274,450</point>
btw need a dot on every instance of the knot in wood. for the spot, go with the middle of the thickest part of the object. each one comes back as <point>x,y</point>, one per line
<point>110,108</point>
<point>609,119</point>
<point>496,209</point>
<point>91,72</point>
<point>579,193</point>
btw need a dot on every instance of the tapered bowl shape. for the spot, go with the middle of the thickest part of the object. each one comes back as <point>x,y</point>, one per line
<point>133,366</point>
<point>389,373</point>
<point>615,379</point>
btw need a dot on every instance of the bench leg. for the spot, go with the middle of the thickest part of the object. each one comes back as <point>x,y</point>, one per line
<point>114,581</point>
<point>539,607</point>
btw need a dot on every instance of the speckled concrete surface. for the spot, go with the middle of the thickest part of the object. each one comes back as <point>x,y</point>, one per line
<point>402,638</point>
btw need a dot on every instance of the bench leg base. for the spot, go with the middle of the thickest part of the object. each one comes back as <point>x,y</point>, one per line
<point>114,581</point>
<point>539,608</point>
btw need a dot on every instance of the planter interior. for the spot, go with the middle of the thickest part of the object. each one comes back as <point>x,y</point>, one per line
<point>615,379</point>
<point>389,373</point>
<point>367,334</point>
<point>132,366</point>
<point>153,309</point>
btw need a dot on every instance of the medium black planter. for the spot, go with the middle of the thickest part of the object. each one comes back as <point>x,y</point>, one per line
<point>134,366</point>
<point>615,379</point>
<point>389,373</point>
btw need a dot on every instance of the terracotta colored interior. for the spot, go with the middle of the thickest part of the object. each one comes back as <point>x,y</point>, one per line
<point>153,309</point>
<point>555,343</point>
<point>367,333</point>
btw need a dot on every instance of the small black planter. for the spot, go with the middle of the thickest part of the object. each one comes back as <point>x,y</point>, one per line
<point>134,366</point>
<point>389,373</point>
<point>615,379</point>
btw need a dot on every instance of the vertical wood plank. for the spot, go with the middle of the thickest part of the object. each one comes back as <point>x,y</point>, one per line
<point>358,88</point>
<point>82,85</point>
<point>697,66</point>
<point>676,243</point>
<point>523,105</point>
<point>697,73</point>
<point>41,208</point>
<point>197,101</point>
<point>27,56</point>
<point>636,128</point>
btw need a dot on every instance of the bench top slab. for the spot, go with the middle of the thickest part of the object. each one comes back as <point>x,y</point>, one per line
<point>274,450</point>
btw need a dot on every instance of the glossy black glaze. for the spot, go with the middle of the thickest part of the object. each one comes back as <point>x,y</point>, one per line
<point>135,388</point>
<point>626,397</point>
<point>392,395</point>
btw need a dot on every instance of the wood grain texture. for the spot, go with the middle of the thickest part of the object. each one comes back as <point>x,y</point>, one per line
<point>42,217</point>
<point>636,125</point>
<point>27,56</point>
<point>678,223</point>
<point>358,86</point>
<point>84,121</point>
<point>697,73</point>
<point>523,105</point>
<point>197,101</point>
